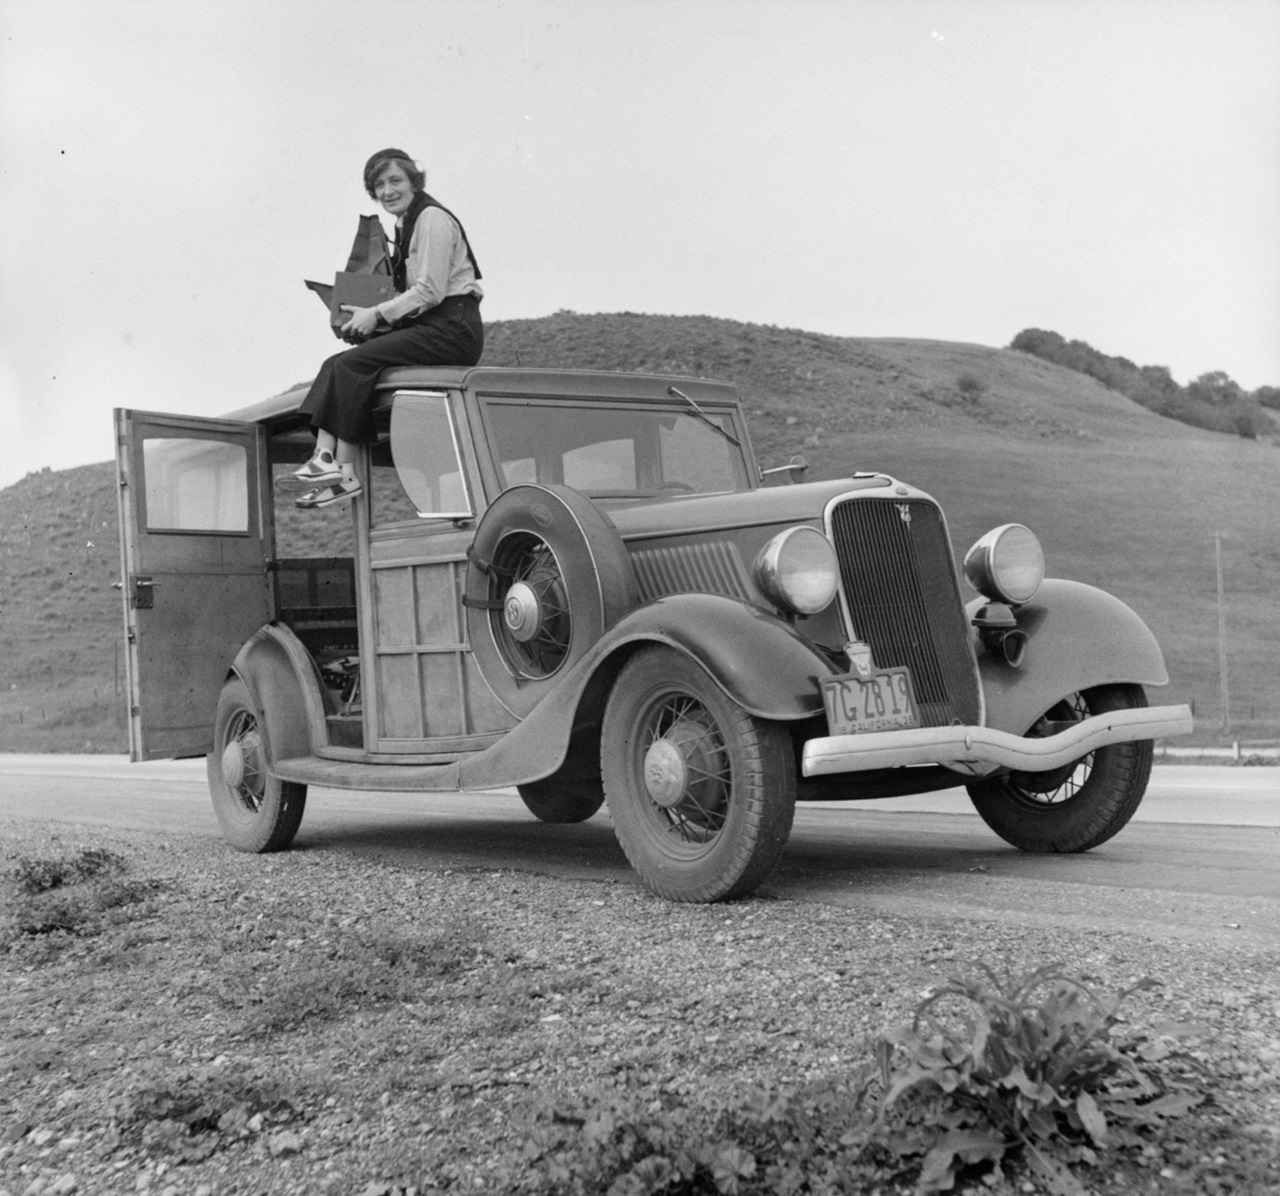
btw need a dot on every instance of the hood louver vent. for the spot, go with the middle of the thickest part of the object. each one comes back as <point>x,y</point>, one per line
<point>714,568</point>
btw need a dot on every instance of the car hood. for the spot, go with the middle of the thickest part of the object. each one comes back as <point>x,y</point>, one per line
<point>748,508</point>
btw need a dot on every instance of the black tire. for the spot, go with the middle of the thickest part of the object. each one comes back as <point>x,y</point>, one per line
<point>257,811</point>
<point>547,573</point>
<point>562,801</point>
<point>1078,806</point>
<point>702,794</point>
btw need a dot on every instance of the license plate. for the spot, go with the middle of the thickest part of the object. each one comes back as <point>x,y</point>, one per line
<point>883,702</point>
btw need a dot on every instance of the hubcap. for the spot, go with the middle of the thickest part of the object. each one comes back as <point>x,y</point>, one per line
<point>522,612</point>
<point>665,774</point>
<point>233,764</point>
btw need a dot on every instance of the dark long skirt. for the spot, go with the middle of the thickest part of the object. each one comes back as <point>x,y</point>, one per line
<point>340,398</point>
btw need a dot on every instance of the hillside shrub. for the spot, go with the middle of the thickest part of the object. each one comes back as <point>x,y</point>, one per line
<point>1213,401</point>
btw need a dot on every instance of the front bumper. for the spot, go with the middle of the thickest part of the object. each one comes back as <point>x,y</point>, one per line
<point>976,751</point>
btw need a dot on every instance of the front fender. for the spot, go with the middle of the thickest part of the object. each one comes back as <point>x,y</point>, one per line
<point>286,687</point>
<point>758,659</point>
<point>1078,636</point>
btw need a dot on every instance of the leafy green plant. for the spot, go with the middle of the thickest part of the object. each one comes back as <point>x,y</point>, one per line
<point>367,968</point>
<point>762,1142</point>
<point>72,895</point>
<point>35,876</point>
<point>1036,1068</point>
<point>192,1112</point>
<point>1035,1073</point>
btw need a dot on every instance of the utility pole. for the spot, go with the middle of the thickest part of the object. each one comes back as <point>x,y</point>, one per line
<point>1222,636</point>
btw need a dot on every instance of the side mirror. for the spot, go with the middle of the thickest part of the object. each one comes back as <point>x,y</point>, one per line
<point>796,466</point>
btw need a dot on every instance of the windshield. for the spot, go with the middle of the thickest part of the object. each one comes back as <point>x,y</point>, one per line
<point>616,451</point>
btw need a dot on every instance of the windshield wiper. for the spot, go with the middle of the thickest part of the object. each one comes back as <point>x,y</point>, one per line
<point>702,415</point>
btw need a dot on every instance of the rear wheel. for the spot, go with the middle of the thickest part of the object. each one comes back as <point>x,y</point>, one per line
<point>701,792</point>
<point>257,811</point>
<point>556,800</point>
<point>1082,804</point>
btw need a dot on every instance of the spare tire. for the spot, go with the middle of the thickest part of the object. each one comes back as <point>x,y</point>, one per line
<point>547,574</point>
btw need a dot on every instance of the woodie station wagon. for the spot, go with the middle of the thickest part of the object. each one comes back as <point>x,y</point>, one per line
<point>581,585</point>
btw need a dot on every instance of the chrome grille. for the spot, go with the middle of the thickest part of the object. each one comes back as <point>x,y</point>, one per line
<point>903,600</point>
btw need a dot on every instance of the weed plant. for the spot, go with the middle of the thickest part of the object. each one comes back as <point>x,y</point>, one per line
<point>1034,1074</point>
<point>70,896</point>
<point>1037,1068</point>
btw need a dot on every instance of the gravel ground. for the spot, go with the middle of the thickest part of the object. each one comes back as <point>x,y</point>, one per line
<point>222,1024</point>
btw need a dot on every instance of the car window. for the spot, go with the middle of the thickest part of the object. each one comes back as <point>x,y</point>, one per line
<point>615,450</point>
<point>417,468</point>
<point>194,484</point>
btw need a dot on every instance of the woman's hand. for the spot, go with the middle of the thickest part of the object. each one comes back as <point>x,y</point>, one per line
<point>361,325</point>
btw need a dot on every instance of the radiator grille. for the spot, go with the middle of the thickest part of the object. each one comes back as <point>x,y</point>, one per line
<point>710,568</point>
<point>904,601</point>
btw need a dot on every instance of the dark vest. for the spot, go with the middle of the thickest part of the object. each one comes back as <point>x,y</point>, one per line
<point>404,234</point>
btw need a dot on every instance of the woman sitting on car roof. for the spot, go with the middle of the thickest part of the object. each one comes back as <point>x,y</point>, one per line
<point>433,319</point>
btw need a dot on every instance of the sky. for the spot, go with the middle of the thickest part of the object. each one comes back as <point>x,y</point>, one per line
<point>171,171</point>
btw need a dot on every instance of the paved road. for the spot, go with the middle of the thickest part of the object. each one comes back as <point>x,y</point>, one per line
<point>1201,859</point>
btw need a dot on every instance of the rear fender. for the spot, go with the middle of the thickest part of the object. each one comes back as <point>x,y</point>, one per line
<point>286,688</point>
<point>1078,636</point>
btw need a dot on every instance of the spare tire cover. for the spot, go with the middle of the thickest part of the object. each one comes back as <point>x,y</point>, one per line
<point>547,574</point>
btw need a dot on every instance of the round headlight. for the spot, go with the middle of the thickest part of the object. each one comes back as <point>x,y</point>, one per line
<point>796,570</point>
<point>1006,565</point>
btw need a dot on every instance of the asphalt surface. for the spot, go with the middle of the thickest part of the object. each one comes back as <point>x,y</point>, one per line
<point>1200,860</point>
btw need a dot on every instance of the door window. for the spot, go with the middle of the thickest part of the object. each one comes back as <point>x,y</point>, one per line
<point>196,485</point>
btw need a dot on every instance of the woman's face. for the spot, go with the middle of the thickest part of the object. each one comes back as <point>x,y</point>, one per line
<point>393,190</point>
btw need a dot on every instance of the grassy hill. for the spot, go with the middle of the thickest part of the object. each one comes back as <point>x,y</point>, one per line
<point>1120,497</point>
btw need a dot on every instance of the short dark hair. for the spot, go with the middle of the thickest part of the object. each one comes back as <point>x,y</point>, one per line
<point>387,157</point>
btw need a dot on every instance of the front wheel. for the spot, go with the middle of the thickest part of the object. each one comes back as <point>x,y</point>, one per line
<point>1082,804</point>
<point>257,811</point>
<point>701,792</point>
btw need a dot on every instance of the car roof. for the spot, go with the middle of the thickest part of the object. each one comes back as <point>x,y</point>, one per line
<point>280,411</point>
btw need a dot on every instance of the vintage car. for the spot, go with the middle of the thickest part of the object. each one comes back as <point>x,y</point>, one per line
<point>580,584</point>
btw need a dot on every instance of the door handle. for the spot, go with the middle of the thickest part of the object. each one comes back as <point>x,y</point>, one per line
<point>143,593</point>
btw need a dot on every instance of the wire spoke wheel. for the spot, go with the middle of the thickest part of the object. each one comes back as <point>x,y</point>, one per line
<point>531,615</point>
<point>681,730</point>
<point>1038,789</point>
<point>701,792</point>
<point>244,741</point>
<point>256,810</point>
<point>1082,804</point>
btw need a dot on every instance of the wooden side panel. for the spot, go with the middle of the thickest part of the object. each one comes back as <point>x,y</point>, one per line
<point>400,705</point>
<point>431,698</point>
<point>445,714</point>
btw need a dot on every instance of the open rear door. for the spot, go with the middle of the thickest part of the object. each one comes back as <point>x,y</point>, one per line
<point>196,547</point>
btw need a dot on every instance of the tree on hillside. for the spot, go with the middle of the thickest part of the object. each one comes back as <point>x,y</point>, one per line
<point>1215,387</point>
<point>1213,401</point>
